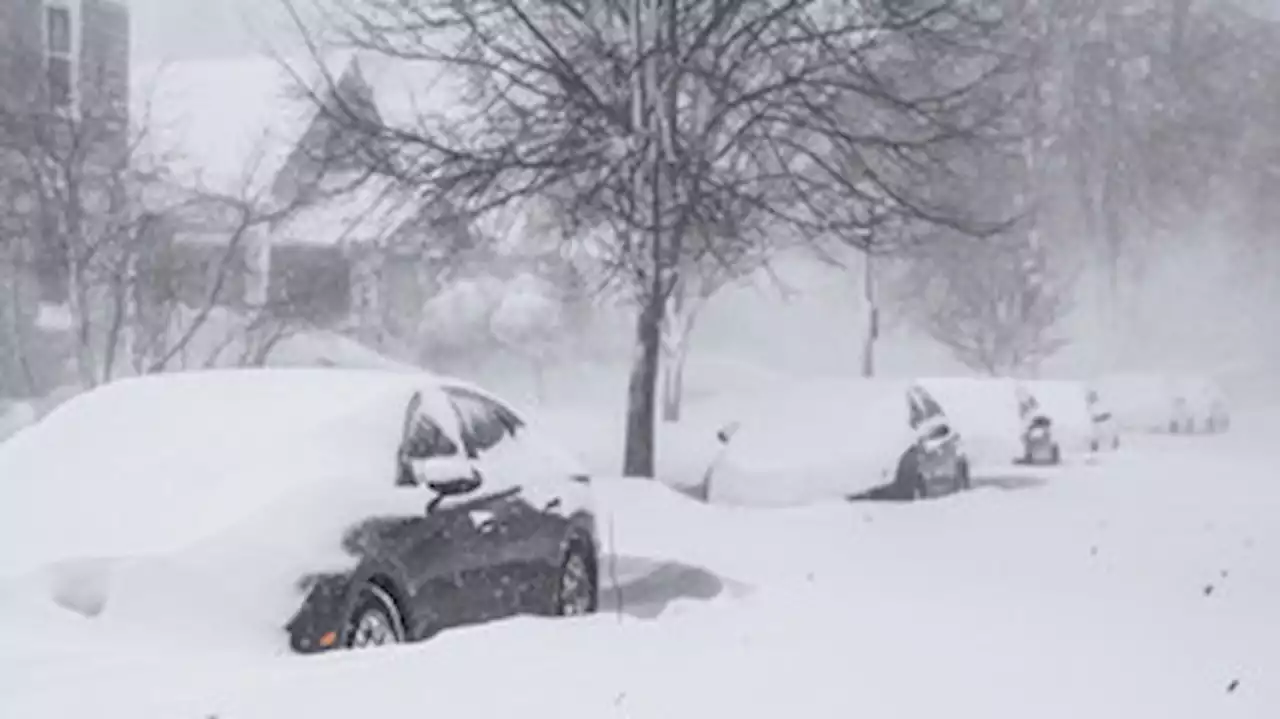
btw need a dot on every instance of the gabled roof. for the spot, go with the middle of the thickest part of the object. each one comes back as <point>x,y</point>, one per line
<point>231,125</point>
<point>226,125</point>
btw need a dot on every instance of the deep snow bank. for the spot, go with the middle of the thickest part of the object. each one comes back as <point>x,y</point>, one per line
<point>1083,591</point>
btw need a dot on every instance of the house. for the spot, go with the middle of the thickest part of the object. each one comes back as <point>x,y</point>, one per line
<point>64,71</point>
<point>64,90</point>
<point>345,249</point>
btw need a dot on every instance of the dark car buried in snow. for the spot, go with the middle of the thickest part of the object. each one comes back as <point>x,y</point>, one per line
<point>832,439</point>
<point>344,508</point>
<point>1039,443</point>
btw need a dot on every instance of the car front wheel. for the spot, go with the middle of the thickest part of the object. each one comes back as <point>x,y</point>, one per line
<point>375,621</point>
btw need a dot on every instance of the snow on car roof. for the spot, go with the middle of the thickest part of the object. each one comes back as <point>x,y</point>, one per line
<point>822,422</point>
<point>152,464</point>
<point>986,402</point>
<point>1063,400</point>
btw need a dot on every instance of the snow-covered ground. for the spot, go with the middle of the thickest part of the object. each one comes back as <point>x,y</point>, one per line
<point>1144,585</point>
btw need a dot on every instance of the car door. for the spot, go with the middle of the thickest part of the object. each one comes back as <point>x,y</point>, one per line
<point>438,554</point>
<point>521,520</point>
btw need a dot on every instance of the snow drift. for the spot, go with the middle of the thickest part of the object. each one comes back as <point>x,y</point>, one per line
<point>215,488</point>
<point>814,441</point>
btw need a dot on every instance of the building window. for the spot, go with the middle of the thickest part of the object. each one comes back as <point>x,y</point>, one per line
<point>60,81</point>
<point>58,52</point>
<point>59,27</point>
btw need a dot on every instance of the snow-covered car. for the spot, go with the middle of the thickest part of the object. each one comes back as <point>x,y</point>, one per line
<point>837,439</point>
<point>1039,435</point>
<point>984,411</point>
<point>1202,405</point>
<point>1075,427</point>
<point>1166,403</point>
<point>1106,428</point>
<point>325,508</point>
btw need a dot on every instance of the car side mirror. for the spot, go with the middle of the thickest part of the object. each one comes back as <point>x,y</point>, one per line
<point>726,432</point>
<point>444,475</point>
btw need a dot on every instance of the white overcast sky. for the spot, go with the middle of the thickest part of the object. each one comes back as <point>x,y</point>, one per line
<point>180,29</point>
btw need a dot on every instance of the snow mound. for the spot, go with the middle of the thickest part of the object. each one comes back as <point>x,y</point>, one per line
<point>1144,403</point>
<point>815,441</point>
<point>14,417</point>
<point>330,349</point>
<point>152,465</point>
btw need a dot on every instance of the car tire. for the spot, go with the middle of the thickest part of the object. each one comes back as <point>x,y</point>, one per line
<point>908,482</point>
<point>375,620</point>
<point>577,587</point>
<point>964,480</point>
<point>1055,455</point>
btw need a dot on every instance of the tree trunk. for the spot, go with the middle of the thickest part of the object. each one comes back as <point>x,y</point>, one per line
<point>873,320</point>
<point>78,308</point>
<point>673,386</point>
<point>539,379</point>
<point>1178,33</point>
<point>638,460</point>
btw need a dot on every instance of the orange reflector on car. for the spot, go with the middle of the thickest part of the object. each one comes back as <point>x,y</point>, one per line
<point>329,639</point>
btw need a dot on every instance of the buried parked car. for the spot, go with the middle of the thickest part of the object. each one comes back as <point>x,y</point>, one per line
<point>1079,425</point>
<point>1106,428</point>
<point>1143,402</point>
<point>985,412</point>
<point>334,508</point>
<point>1202,404</point>
<point>1039,436</point>
<point>1166,404</point>
<point>838,439</point>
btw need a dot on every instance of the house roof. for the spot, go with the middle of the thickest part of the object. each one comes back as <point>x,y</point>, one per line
<point>222,125</point>
<point>230,125</point>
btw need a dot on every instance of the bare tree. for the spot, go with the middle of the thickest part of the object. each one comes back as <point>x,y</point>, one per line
<point>991,302</point>
<point>136,258</point>
<point>723,262</point>
<point>643,120</point>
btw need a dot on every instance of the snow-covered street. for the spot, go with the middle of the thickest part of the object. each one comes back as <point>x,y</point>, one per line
<point>1145,585</point>
<point>639,360</point>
